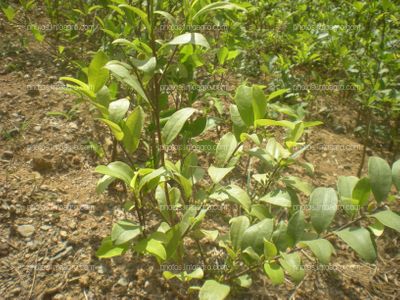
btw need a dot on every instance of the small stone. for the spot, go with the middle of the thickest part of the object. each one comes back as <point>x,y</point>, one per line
<point>32,245</point>
<point>45,227</point>
<point>73,126</point>
<point>58,297</point>
<point>26,230</point>
<point>72,225</point>
<point>37,128</point>
<point>41,164</point>
<point>123,282</point>
<point>84,281</point>
<point>4,249</point>
<point>8,155</point>
<point>26,76</point>
<point>63,234</point>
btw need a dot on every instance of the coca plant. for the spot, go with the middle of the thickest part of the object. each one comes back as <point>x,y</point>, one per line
<point>171,191</point>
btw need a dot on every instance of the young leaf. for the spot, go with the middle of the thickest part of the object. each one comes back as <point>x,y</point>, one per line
<point>380,176</point>
<point>238,227</point>
<point>254,235</point>
<point>132,129</point>
<point>108,249</point>
<point>274,272</point>
<point>9,12</point>
<point>243,100</point>
<point>323,206</point>
<point>321,248</point>
<point>115,129</point>
<point>97,75</point>
<point>117,169</point>
<point>238,195</point>
<point>117,109</point>
<point>359,239</point>
<point>217,174</point>
<point>292,265</point>
<point>277,93</point>
<point>213,290</point>
<point>278,198</point>
<point>269,249</point>
<point>217,5</point>
<point>296,225</point>
<point>388,218</point>
<point>225,149</point>
<point>175,123</point>
<point>396,174</point>
<point>124,231</point>
<point>259,103</point>
<point>190,38</point>
<point>362,191</point>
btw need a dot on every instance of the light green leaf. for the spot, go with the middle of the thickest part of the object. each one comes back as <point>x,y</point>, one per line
<point>238,195</point>
<point>292,265</point>
<point>97,75</point>
<point>217,174</point>
<point>175,124</point>
<point>259,103</point>
<point>238,227</point>
<point>321,248</point>
<point>107,249</point>
<point>362,191</point>
<point>396,174</point>
<point>243,99</point>
<point>117,109</point>
<point>270,250</point>
<point>190,38</point>
<point>380,176</point>
<point>274,272</point>
<point>147,66</point>
<point>388,218</point>
<point>225,149</point>
<point>254,235</point>
<point>277,197</point>
<point>132,129</point>
<point>296,225</point>
<point>277,93</point>
<point>217,5</point>
<point>115,129</point>
<point>359,239</point>
<point>9,12</point>
<point>213,290</point>
<point>103,183</point>
<point>323,206</point>
<point>117,169</point>
<point>124,231</point>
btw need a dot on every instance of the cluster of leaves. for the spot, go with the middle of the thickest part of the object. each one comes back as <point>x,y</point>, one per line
<point>251,147</point>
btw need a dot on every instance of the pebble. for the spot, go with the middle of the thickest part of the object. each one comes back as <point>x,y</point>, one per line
<point>63,234</point>
<point>26,230</point>
<point>8,155</point>
<point>45,227</point>
<point>84,281</point>
<point>123,282</point>
<point>58,297</point>
<point>72,225</point>
<point>37,128</point>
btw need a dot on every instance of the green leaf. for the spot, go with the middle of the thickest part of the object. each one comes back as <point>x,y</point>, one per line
<point>238,195</point>
<point>244,281</point>
<point>269,122</point>
<point>217,5</point>
<point>213,290</point>
<point>277,93</point>
<point>359,239</point>
<point>143,16</point>
<point>117,169</point>
<point>362,191</point>
<point>396,174</point>
<point>117,109</point>
<point>103,183</point>
<point>190,38</point>
<point>270,250</point>
<point>156,248</point>
<point>225,149</point>
<point>175,123</point>
<point>238,125</point>
<point>388,218</point>
<point>9,12</point>
<point>238,227</point>
<point>345,186</point>
<point>107,249</point>
<point>97,75</point>
<point>380,176</point>
<point>132,129</point>
<point>222,54</point>
<point>121,71</point>
<point>147,66</point>
<point>243,100</point>
<point>115,129</point>
<point>323,206</point>
<point>254,235</point>
<point>217,174</point>
<point>278,198</point>
<point>292,265</point>
<point>296,225</point>
<point>274,272</point>
<point>259,103</point>
<point>124,231</point>
<point>321,248</point>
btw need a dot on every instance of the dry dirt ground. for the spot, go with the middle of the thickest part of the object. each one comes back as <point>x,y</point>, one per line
<point>52,221</point>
